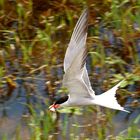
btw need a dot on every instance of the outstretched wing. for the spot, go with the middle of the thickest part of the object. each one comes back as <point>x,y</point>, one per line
<point>80,32</point>
<point>76,77</point>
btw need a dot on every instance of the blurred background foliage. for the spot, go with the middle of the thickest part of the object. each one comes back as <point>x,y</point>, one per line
<point>33,39</point>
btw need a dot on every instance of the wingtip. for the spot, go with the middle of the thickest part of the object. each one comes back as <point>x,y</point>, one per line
<point>85,11</point>
<point>123,109</point>
<point>119,83</point>
<point>126,111</point>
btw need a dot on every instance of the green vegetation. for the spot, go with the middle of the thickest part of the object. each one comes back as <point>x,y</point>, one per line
<point>33,39</point>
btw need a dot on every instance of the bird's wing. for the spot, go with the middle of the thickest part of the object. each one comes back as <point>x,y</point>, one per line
<point>86,80</point>
<point>73,78</point>
<point>80,32</point>
<point>76,77</point>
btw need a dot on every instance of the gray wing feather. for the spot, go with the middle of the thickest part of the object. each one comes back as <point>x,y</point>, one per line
<point>76,77</point>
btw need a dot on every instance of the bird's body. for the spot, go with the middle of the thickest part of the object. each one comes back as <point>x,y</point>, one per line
<point>76,80</point>
<point>106,99</point>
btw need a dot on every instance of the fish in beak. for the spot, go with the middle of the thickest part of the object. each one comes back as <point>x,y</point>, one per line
<point>54,107</point>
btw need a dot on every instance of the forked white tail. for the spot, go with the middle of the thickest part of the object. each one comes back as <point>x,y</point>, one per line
<point>108,99</point>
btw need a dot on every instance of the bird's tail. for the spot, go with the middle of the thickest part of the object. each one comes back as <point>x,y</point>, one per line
<point>108,99</point>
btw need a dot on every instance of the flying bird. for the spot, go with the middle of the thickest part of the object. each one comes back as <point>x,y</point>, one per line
<point>76,80</point>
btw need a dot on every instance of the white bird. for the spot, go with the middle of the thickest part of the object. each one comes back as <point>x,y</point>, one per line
<point>76,80</point>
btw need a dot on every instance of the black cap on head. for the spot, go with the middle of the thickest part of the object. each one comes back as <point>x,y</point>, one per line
<point>62,99</point>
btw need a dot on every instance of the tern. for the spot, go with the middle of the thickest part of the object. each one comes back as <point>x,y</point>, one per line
<point>76,80</point>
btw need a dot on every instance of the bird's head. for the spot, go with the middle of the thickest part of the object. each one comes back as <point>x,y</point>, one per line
<point>53,107</point>
<point>58,103</point>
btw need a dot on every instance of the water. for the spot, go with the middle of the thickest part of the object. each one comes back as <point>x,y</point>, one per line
<point>33,90</point>
<point>12,112</point>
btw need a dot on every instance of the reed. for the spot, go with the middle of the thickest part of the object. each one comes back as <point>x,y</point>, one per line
<point>33,40</point>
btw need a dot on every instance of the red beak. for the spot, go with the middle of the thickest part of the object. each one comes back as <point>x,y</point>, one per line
<point>54,107</point>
